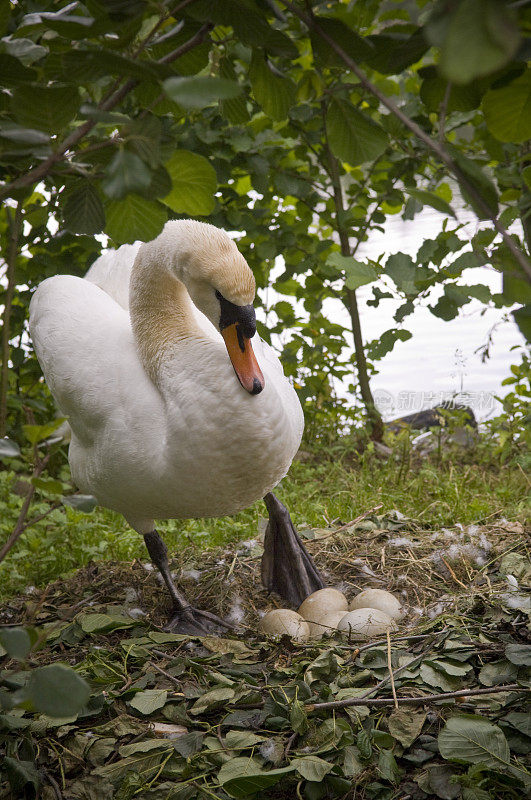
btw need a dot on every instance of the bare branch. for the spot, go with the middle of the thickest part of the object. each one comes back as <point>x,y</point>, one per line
<point>20,525</point>
<point>414,701</point>
<point>442,113</point>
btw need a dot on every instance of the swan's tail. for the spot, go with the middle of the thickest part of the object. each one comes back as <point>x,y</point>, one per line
<point>112,272</point>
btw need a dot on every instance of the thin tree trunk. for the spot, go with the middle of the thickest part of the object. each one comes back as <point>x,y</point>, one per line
<point>351,303</point>
<point>11,259</point>
<point>361,365</point>
<point>525,152</point>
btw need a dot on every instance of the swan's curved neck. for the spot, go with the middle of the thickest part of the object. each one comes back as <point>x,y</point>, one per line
<point>162,314</point>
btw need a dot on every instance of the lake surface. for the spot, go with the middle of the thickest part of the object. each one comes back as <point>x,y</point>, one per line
<point>442,359</point>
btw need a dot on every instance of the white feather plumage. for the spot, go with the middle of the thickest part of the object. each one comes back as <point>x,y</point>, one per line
<point>178,436</point>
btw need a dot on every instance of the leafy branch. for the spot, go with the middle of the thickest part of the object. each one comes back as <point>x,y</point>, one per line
<point>435,146</point>
<point>15,229</point>
<point>107,104</point>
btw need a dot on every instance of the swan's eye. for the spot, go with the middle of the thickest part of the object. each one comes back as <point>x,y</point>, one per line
<point>219,295</point>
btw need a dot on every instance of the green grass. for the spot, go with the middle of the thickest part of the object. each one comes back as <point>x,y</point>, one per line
<point>332,486</point>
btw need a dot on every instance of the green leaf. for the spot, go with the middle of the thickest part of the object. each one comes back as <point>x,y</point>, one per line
<point>9,449</point>
<point>57,691</point>
<point>272,92</point>
<point>394,52</point>
<point>474,740</point>
<point>479,37</point>
<point>243,777</point>
<point>143,135</point>
<point>81,502</point>
<point>433,200</point>
<point>480,181</point>
<point>440,782</point>
<point>400,267</point>
<point>134,218</point>
<point>298,717</point>
<point>83,210</point>
<point>13,72</point>
<point>358,48</point>
<point>199,91</point>
<point>516,286</point>
<point>149,700</point>
<point>49,485</point>
<point>212,699</point>
<point>519,720</point>
<point>98,623</point>
<point>387,766</point>
<point>436,678</point>
<point>16,133</point>
<point>24,49</point>
<point>353,136</point>
<point>194,183</point>
<point>312,768</point>
<point>16,641</point>
<point>240,740</point>
<point>405,724</point>
<point>189,744</point>
<point>385,343</point>
<point>357,272</point>
<point>146,746</point>
<point>364,745</point>
<point>37,433</point>
<point>234,110</point>
<point>126,173</point>
<point>522,317</point>
<point>519,654</point>
<point>352,766</point>
<point>508,110</point>
<point>21,773</point>
<point>45,108</point>
<point>461,98</point>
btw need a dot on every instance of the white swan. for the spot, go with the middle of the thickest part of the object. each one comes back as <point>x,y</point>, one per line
<point>138,356</point>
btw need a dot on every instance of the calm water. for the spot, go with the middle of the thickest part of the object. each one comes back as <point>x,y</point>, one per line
<point>442,358</point>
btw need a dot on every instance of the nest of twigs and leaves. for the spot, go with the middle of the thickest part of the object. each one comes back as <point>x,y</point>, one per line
<point>438,709</point>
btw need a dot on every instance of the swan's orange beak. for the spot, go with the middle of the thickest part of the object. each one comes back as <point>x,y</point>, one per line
<point>243,359</point>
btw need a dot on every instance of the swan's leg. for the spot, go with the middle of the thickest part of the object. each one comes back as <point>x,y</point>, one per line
<point>287,567</point>
<point>185,618</point>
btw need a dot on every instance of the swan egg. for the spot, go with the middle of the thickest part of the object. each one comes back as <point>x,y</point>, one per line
<point>366,623</point>
<point>378,598</point>
<point>281,621</point>
<point>327,624</point>
<point>322,602</point>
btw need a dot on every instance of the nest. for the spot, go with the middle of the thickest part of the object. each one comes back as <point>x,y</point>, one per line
<point>446,572</point>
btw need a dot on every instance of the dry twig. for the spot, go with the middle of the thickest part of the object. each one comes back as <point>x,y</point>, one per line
<point>414,701</point>
<point>390,667</point>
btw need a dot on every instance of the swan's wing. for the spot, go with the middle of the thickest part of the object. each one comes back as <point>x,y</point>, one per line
<point>85,346</point>
<point>272,368</point>
<point>112,272</point>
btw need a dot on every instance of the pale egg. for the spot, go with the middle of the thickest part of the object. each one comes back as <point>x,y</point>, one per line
<point>380,599</point>
<point>327,624</point>
<point>322,602</point>
<point>282,621</point>
<point>366,623</point>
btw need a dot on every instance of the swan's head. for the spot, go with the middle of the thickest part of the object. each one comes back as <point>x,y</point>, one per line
<point>222,286</point>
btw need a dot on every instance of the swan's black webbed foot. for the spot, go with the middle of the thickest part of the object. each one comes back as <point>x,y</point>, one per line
<point>287,567</point>
<point>185,618</point>
<point>195,622</point>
